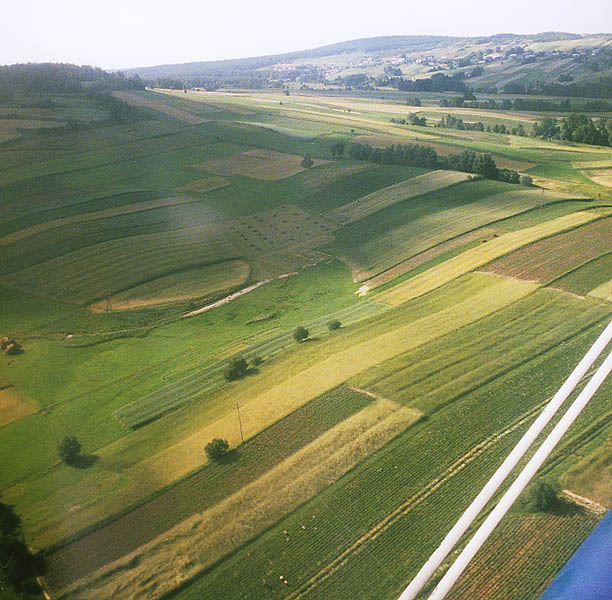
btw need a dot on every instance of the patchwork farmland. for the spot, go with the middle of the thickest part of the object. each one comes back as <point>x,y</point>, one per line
<point>143,259</point>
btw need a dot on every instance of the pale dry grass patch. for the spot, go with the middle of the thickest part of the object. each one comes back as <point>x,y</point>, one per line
<point>204,185</point>
<point>13,406</point>
<point>265,165</point>
<point>187,549</point>
<point>177,113</point>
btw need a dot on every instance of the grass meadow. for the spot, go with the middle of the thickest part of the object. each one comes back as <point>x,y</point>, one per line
<point>363,436</point>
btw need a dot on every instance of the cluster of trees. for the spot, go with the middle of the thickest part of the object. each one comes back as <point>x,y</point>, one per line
<point>438,82</point>
<point>452,122</point>
<point>528,104</point>
<point>576,128</point>
<point>19,566</point>
<point>601,88</point>
<point>61,78</point>
<point>411,120</point>
<point>417,155</point>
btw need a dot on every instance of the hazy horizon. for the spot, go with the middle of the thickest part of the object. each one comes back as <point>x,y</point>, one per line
<point>122,35</point>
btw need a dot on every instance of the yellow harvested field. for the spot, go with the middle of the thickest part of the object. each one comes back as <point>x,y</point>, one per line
<point>417,186</point>
<point>186,285</point>
<point>159,105</point>
<point>204,185</point>
<point>592,164</point>
<point>275,403</point>
<point>478,257</point>
<point>319,178</point>
<point>195,544</point>
<point>602,292</point>
<point>265,165</point>
<point>601,176</point>
<point>13,406</point>
<point>420,259</point>
<point>102,214</point>
<point>209,98</point>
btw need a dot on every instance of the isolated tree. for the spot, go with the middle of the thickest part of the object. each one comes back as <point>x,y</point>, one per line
<point>236,369</point>
<point>216,449</point>
<point>540,497</point>
<point>334,324</point>
<point>307,162</point>
<point>300,334</point>
<point>69,449</point>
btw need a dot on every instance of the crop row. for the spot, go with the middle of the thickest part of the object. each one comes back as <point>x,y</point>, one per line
<point>478,257</point>
<point>411,188</point>
<point>550,258</point>
<point>429,377</point>
<point>587,278</point>
<point>522,555</point>
<point>407,229</point>
<point>98,271</point>
<point>361,500</point>
<point>203,489</point>
<point>208,379</point>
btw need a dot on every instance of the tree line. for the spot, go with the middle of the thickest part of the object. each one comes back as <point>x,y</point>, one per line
<point>418,155</point>
<point>576,128</point>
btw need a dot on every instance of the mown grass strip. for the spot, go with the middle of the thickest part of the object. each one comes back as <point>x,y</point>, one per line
<point>477,257</point>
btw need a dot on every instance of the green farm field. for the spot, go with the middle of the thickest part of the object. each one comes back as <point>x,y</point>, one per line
<point>140,257</point>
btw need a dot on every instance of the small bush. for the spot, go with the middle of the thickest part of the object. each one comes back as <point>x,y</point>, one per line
<point>540,497</point>
<point>236,369</point>
<point>69,449</point>
<point>307,162</point>
<point>526,180</point>
<point>300,334</point>
<point>256,360</point>
<point>216,449</point>
<point>333,325</point>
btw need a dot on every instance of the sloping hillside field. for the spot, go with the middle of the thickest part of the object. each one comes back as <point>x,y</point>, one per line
<point>369,338</point>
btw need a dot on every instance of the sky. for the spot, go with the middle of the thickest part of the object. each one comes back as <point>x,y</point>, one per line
<point>133,33</point>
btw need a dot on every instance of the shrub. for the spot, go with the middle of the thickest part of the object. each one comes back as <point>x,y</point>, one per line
<point>540,497</point>
<point>256,360</point>
<point>526,180</point>
<point>334,324</point>
<point>69,449</point>
<point>216,449</point>
<point>236,369</point>
<point>300,334</point>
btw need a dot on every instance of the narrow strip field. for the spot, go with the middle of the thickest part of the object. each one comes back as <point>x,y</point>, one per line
<point>400,232</point>
<point>262,410</point>
<point>550,258</point>
<point>485,423</point>
<point>478,257</point>
<point>101,270</point>
<point>13,405</point>
<point>523,554</point>
<point>189,548</point>
<point>593,279</point>
<point>111,212</point>
<point>416,186</point>
<point>203,490</point>
<point>149,101</point>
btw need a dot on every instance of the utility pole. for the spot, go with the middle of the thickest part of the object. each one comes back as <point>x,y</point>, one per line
<point>239,421</point>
